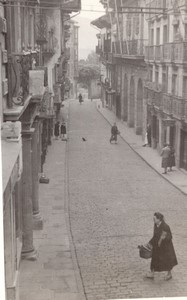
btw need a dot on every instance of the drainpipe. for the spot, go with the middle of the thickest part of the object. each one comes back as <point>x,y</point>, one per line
<point>111,24</point>
<point>8,46</point>
<point>119,33</point>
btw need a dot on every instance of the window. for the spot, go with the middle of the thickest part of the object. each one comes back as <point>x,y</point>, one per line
<point>156,76</point>
<point>176,33</point>
<point>174,84</point>
<point>164,82</point>
<point>152,36</point>
<point>185,87</point>
<point>185,28</point>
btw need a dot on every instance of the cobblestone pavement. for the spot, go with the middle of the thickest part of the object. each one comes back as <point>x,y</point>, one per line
<point>113,194</point>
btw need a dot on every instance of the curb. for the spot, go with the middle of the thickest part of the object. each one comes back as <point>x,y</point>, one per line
<point>81,291</point>
<point>184,193</point>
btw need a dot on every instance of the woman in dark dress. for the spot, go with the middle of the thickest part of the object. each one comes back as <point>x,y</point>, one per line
<point>163,253</point>
<point>80,98</point>
<point>63,130</point>
<point>57,130</point>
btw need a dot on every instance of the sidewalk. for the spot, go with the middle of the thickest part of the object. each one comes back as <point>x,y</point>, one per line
<point>54,276</point>
<point>177,177</point>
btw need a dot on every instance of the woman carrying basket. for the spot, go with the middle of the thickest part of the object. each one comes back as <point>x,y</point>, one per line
<point>163,253</point>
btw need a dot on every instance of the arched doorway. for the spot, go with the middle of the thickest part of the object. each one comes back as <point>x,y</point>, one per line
<point>139,111</point>
<point>125,99</point>
<point>131,103</point>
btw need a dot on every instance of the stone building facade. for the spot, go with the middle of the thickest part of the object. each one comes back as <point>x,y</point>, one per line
<point>142,48</point>
<point>166,89</point>
<point>72,46</point>
<point>33,64</point>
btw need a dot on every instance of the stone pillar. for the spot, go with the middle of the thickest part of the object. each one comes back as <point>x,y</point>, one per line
<point>35,160</point>
<point>28,251</point>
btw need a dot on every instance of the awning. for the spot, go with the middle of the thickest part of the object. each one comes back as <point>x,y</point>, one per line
<point>102,22</point>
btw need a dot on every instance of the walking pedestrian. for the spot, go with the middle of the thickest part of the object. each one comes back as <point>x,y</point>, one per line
<point>163,253</point>
<point>80,98</point>
<point>114,133</point>
<point>165,157</point>
<point>57,130</point>
<point>63,131</point>
<point>171,159</point>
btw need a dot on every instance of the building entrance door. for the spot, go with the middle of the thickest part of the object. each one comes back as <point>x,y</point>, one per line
<point>183,152</point>
<point>118,106</point>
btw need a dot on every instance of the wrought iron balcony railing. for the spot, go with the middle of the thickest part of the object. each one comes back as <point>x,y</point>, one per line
<point>129,47</point>
<point>19,66</point>
<point>178,109</point>
<point>44,36</point>
<point>172,105</point>
<point>169,52</point>
<point>67,54</point>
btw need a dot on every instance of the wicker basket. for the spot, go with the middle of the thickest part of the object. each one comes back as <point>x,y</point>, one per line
<point>145,251</point>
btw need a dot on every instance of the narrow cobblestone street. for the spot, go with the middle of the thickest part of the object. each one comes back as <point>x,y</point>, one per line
<point>113,194</point>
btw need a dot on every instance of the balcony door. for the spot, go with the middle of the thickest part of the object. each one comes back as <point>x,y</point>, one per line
<point>165,34</point>
<point>174,84</point>
<point>158,36</point>
<point>185,87</point>
<point>152,36</point>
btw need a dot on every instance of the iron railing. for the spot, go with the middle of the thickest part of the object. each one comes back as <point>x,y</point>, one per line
<point>134,47</point>
<point>170,104</point>
<point>19,65</point>
<point>169,52</point>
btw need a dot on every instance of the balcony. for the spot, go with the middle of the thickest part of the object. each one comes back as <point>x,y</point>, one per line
<point>152,92</point>
<point>167,104</point>
<point>105,51</point>
<point>19,65</point>
<point>46,108</point>
<point>129,49</point>
<point>98,50</point>
<point>57,93</point>
<point>107,45</point>
<point>150,53</point>
<point>178,107</point>
<point>48,47</point>
<point>158,53</point>
<point>67,54</point>
<point>170,52</point>
<point>172,105</point>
